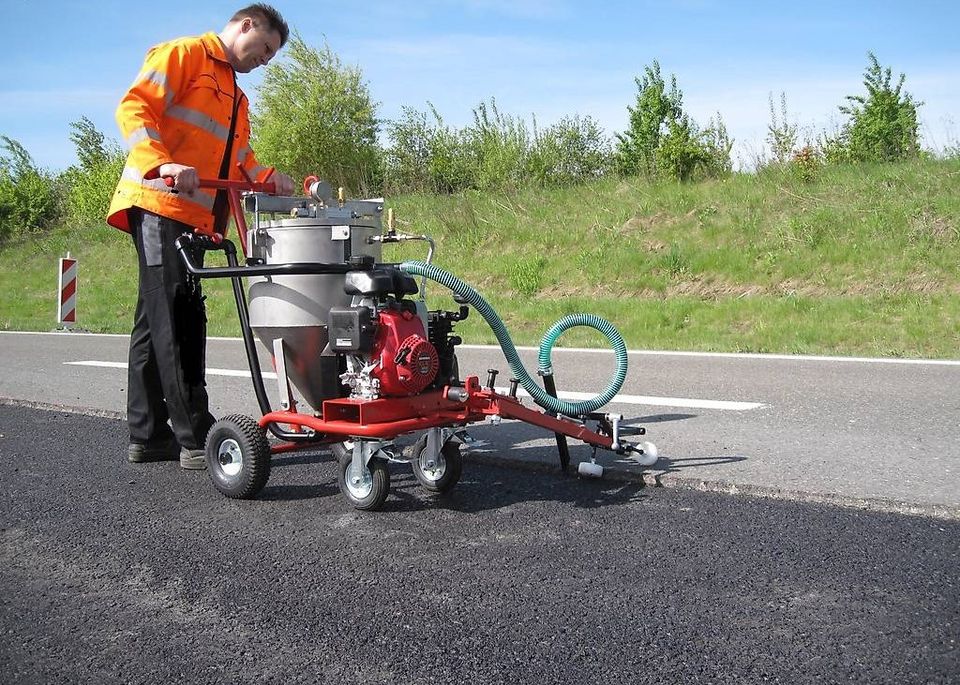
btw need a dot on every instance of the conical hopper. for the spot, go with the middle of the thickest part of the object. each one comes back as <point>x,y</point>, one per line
<point>296,308</point>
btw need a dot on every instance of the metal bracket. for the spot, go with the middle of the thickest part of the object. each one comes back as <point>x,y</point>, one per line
<point>434,443</point>
<point>615,420</point>
<point>363,451</point>
<point>283,383</point>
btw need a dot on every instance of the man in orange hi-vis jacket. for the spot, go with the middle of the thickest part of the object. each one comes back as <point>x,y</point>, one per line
<point>183,118</point>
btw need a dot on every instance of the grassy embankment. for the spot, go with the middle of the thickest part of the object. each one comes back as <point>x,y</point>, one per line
<point>864,260</point>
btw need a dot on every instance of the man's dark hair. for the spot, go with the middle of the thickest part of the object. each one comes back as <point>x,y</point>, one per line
<point>261,11</point>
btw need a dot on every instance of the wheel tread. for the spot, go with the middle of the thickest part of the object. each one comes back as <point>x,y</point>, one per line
<point>256,465</point>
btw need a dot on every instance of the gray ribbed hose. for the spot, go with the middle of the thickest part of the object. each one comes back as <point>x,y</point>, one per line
<point>538,394</point>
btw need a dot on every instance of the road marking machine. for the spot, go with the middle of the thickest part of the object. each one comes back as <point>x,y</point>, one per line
<point>352,334</point>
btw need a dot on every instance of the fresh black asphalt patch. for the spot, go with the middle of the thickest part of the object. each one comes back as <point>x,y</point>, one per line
<point>118,573</point>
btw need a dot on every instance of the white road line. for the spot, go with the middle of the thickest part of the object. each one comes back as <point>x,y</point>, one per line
<point>683,402</point>
<point>233,373</point>
<point>732,355</point>
<point>582,350</point>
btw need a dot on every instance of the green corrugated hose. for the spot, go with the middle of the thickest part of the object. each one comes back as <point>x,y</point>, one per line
<point>538,394</point>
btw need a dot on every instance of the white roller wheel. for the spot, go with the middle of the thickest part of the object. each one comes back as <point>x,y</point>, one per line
<point>590,469</point>
<point>650,454</point>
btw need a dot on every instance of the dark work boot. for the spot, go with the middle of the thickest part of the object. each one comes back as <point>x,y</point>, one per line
<point>164,449</point>
<point>193,460</point>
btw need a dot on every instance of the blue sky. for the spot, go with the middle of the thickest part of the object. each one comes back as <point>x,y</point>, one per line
<point>543,58</point>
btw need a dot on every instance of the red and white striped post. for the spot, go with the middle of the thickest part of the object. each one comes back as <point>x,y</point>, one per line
<point>67,299</point>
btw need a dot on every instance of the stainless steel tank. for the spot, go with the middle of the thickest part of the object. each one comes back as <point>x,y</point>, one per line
<point>295,308</point>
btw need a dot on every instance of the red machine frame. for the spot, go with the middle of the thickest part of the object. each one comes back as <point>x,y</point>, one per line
<point>383,418</point>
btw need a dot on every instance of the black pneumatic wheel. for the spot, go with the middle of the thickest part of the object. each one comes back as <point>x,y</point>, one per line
<point>442,473</point>
<point>238,456</point>
<point>367,489</point>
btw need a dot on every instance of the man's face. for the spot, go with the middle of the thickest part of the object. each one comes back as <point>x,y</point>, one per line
<point>255,46</point>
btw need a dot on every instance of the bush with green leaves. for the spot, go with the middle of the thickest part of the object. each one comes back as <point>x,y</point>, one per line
<point>883,123</point>
<point>687,153</point>
<point>28,198</point>
<point>655,107</point>
<point>90,184</point>
<point>314,115</point>
<point>662,140</point>
<point>679,151</point>
<point>571,151</point>
<point>497,152</point>
<point>717,145</point>
<point>425,155</point>
<point>498,146</point>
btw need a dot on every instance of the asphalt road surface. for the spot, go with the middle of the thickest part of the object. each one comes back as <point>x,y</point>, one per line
<point>118,573</point>
<point>881,433</point>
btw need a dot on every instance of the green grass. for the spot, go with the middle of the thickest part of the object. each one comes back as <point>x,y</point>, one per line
<point>864,260</point>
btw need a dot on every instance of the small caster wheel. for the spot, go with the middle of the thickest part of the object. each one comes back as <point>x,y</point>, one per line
<point>590,469</point>
<point>366,488</point>
<point>650,454</point>
<point>238,456</point>
<point>439,474</point>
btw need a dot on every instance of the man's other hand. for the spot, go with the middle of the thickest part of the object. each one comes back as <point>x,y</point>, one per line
<point>284,184</point>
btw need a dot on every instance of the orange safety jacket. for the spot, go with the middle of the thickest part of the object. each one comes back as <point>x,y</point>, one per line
<point>179,110</point>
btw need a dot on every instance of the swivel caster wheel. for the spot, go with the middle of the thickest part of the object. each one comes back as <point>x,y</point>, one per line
<point>440,473</point>
<point>365,488</point>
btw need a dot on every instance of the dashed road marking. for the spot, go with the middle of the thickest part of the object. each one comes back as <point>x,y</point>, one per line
<point>651,400</point>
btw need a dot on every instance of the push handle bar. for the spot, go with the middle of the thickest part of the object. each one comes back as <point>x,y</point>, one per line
<point>233,189</point>
<point>223,184</point>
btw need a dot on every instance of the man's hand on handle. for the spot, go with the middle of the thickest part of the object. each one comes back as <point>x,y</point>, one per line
<point>184,177</point>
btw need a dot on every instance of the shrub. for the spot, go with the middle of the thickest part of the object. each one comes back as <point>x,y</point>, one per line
<point>28,201</point>
<point>425,155</point>
<point>571,151</point>
<point>662,140</point>
<point>679,151</point>
<point>89,186</point>
<point>685,152</point>
<point>655,107</point>
<point>407,161</point>
<point>314,116</point>
<point>883,123</point>
<point>498,145</point>
<point>717,145</point>
<point>497,152</point>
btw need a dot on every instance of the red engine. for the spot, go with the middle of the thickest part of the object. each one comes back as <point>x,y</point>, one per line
<point>408,361</point>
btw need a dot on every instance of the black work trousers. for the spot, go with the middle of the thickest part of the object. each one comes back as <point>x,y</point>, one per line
<point>168,343</point>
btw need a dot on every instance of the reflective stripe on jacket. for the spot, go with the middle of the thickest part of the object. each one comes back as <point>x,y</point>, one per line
<point>178,111</point>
